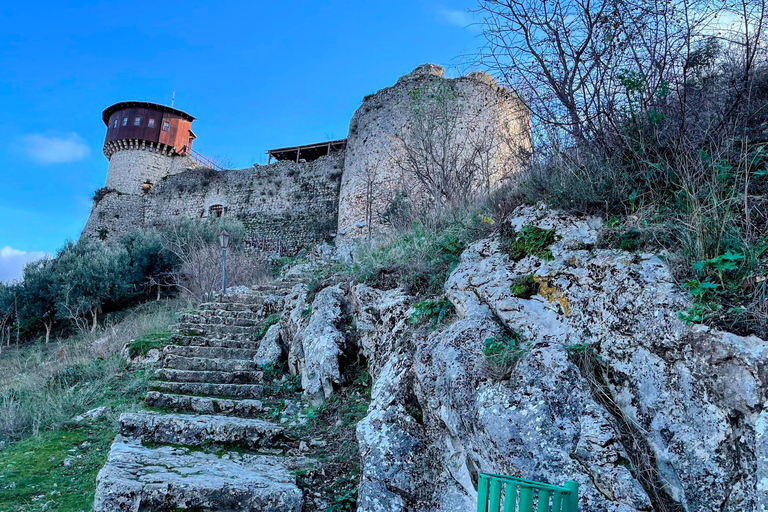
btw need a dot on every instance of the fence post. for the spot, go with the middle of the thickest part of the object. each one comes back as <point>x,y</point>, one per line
<point>572,502</point>
<point>482,494</point>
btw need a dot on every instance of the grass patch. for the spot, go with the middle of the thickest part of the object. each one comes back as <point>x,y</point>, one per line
<point>530,240</point>
<point>500,354</point>
<point>55,470</point>
<point>141,346</point>
<point>525,287</point>
<point>49,462</point>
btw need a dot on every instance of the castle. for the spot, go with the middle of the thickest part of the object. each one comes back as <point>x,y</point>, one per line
<point>311,193</point>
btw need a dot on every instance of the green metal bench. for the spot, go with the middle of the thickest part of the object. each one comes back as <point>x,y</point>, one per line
<point>498,493</point>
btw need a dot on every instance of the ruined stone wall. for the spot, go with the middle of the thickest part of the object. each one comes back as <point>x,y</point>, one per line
<point>295,203</point>
<point>373,169</point>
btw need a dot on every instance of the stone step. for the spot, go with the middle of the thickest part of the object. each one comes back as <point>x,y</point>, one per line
<point>210,320</point>
<point>211,352</point>
<point>173,361</point>
<point>199,329</point>
<point>211,377</point>
<point>204,405</point>
<point>266,298</point>
<point>166,479</point>
<point>227,313</point>
<point>210,431</point>
<point>234,341</point>
<point>208,389</point>
<point>226,306</point>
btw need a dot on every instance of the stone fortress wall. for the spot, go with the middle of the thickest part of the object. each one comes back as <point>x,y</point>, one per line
<point>291,205</point>
<point>478,111</point>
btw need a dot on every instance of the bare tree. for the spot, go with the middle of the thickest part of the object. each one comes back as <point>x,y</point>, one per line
<point>445,150</point>
<point>196,245</point>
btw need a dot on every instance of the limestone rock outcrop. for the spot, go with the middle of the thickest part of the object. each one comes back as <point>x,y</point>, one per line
<point>611,389</point>
<point>320,344</point>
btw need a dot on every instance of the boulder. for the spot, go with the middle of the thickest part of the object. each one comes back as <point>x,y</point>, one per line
<point>270,350</point>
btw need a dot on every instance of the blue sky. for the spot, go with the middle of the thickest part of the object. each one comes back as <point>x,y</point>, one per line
<point>256,75</point>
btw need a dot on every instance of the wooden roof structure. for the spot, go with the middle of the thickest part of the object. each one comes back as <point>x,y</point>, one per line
<point>143,104</point>
<point>307,152</point>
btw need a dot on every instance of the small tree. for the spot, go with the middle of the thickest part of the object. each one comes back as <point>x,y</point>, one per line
<point>8,310</point>
<point>39,295</point>
<point>91,275</point>
<point>152,265</point>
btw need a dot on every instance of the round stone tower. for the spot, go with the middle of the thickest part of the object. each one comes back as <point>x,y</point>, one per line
<point>145,142</point>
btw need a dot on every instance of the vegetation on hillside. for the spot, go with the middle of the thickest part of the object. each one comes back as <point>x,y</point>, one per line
<point>49,457</point>
<point>70,292</point>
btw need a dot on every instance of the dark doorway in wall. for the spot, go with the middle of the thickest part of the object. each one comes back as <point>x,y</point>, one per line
<point>216,211</point>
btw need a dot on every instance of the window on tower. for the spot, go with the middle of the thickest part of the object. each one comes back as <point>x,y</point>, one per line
<point>137,121</point>
<point>115,126</point>
<point>125,121</point>
<point>151,123</point>
<point>166,126</point>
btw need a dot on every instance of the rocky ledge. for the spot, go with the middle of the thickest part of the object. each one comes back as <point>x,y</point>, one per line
<point>610,388</point>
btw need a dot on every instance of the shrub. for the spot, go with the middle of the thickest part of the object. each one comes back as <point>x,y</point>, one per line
<point>431,311</point>
<point>101,193</point>
<point>265,325</point>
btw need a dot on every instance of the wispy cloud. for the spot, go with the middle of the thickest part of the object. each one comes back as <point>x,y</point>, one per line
<point>12,262</point>
<point>457,18</point>
<point>48,150</point>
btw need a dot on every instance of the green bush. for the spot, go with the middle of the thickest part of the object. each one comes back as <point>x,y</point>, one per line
<point>265,325</point>
<point>431,311</point>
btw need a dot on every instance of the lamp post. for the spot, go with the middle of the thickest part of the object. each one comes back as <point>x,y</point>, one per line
<point>224,239</point>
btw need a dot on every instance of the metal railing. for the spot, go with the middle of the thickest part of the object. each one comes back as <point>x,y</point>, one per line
<point>204,161</point>
<point>498,493</point>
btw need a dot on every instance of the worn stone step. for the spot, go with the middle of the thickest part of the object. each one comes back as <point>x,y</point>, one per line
<point>198,329</point>
<point>167,479</point>
<point>205,430</point>
<point>212,377</point>
<point>227,313</point>
<point>209,389</point>
<point>225,306</point>
<point>235,341</point>
<point>206,364</point>
<point>204,405</point>
<point>210,352</point>
<point>204,321</point>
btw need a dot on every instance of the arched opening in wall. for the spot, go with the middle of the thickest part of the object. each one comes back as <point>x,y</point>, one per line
<point>215,211</point>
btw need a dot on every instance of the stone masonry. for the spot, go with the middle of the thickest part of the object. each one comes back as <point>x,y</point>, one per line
<point>292,205</point>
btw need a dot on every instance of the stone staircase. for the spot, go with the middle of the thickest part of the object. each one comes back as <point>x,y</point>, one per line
<point>201,446</point>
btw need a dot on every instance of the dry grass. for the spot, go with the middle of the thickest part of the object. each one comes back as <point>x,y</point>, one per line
<point>43,386</point>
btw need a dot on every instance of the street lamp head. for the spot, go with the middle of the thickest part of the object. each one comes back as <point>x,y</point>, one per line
<point>224,239</point>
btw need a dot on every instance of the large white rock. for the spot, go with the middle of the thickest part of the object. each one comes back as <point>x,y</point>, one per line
<point>322,345</point>
<point>683,406</point>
